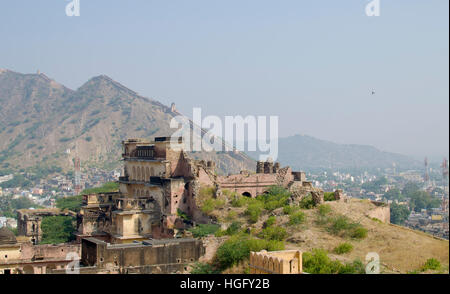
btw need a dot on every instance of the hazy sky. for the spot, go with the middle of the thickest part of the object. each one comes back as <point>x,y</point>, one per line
<point>313,63</point>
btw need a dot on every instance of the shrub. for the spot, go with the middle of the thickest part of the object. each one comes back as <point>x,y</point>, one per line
<point>343,248</point>
<point>318,262</point>
<point>238,201</point>
<point>344,227</point>
<point>271,221</point>
<point>328,196</point>
<point>275,197</point>
<point>203,230</point>
<point>297,218</point>
<point>359,233</point>
<point>233,228</point>
<point>273,233</point>
<point>232,215</point>
<point>339,224</point>
<point>183,215</point>
<point>254,211</point>
<point>324,209</point>
<point>307,202</point>
<point>431,264</point>
<point>238,248</point>
<point>204,269</point>
<point>288,209</point>
<point>210,204</point>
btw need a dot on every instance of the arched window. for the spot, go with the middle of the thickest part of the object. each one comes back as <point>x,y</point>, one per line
<point>138,178</point>
<point>247,194</point>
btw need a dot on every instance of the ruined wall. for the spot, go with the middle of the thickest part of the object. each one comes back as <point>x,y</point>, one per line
<point>382,211</point>
<point>255,184</point>
<point>276,262</point>
<point>163,257</point>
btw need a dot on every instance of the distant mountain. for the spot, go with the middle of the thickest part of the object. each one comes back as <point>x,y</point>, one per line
<point>44,123</point>
<point>307,153</point>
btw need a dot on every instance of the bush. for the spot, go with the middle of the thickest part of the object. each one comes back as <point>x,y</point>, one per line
<point>343,248</point>
<point>183,215</point>
<point>344,227</point>
<point>233,228</point>
<point>318,262</point>
<point>211,204</point>
<point>238,201</point>
<point>431,264</point>
<point>273,233</point>
<point>307,202</point>
<point>204,269</point>
<point>324,209</point>
<point>297,218</point>
<point>254,211</point>
<point>203,230</point>
<point>289,209</point>
<point>359,233</point>
<point>232,215</point>
<point>271,221</point>
<point>328,196</point>
<point>275,197</point>
<point>238,248</point>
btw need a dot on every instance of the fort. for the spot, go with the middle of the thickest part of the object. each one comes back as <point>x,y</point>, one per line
<point>139,228</point>
<point>160,181</point>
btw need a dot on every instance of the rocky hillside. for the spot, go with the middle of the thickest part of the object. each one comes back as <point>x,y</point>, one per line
<point>346,230</point>
<point>44,123</point>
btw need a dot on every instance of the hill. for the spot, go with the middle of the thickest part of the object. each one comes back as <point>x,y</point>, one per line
<point>307,153</point>
<point>353,222</point>
<point>45,124</point>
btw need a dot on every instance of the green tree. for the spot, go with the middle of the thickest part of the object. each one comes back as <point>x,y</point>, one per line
<point>57,229</point>
<point>393,194</point>
<point>72,203</point>
<point>399,213</point>
<point>410,188</point>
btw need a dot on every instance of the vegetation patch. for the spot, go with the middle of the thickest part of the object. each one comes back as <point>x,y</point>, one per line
<point>343,248</point>
<point>431,264</point>
<point>106,188</point>
<point>307,202</point>
<point>57,229</point>
<point>274,233</point>
<point>297,218</point>
<point>200,268</point>
<point>238,248</point>
<point>72,203</point>
<point>203,230</point>
<point>318,262</point>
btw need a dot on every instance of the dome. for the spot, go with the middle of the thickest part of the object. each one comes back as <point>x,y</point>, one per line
<point>7,237</point>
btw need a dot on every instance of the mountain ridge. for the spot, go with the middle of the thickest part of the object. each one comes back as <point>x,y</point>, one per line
<point>45,123</point>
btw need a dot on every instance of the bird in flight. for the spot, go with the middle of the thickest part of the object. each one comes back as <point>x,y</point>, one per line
<point>373,92</point>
